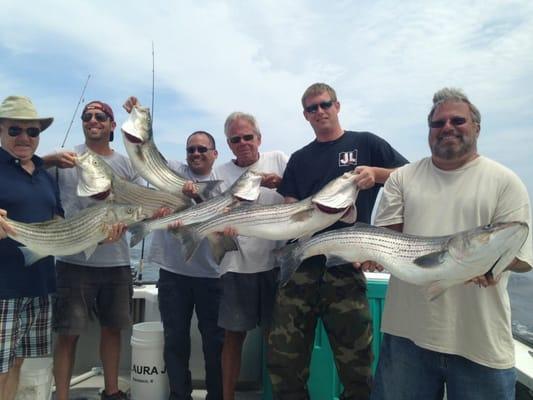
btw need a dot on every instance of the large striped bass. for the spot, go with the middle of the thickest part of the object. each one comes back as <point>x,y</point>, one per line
<point>439,262</point>
<point>97,178</point>
<point>80,233</point>
<point>274,222</point>
<point>245,188</point>
<point>148,161</point>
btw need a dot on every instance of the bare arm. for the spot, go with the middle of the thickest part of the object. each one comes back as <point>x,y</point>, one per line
<point>367,176</point>
<point>61,159</point>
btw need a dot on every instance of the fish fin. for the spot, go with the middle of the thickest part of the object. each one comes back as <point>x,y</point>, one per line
<point>89,251</point>
<point>288,260</point>
<point>431,259</point>
<point>502,263</point>
<point>437,288</point>
<point>332,261</point>
<point>350,216</point>
<point>138,231</point>
<point>30,256</point>
<point>220,244</point>
<point>206,188</point>
<point>303,215</point>
<point>189,239</point>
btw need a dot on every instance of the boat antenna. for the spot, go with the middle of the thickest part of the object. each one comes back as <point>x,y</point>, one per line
<point>75,111</point>
<point>141,261</point>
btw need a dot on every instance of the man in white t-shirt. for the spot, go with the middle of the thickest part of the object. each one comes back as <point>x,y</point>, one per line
<point>100,286</point>
<point>249,281</point>
<point>461,341</point>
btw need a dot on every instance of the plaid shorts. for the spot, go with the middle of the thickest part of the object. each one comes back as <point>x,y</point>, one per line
<point>25,329</point>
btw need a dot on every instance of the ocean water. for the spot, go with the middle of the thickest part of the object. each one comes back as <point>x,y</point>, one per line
<point>520,291</point>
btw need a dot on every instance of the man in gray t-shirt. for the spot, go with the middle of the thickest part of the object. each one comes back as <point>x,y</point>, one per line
<point>100,285</point>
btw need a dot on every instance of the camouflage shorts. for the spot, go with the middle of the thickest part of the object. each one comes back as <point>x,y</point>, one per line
<point>338,296</point>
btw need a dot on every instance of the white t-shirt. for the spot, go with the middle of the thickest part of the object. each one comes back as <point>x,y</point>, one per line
<point>466,320</point>
<point>165,249</point>
<point>256,254</point>
<point>107,254</point>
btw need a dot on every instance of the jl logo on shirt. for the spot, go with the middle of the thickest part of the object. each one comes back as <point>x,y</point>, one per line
<point>348,158</point>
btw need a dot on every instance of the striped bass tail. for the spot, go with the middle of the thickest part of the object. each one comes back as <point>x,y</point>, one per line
<point>288,259</point>
<point>206,188</point>
<point>220,244</point>
<point>189,238</point>
<point>31,257</point>
<point>138,231</point>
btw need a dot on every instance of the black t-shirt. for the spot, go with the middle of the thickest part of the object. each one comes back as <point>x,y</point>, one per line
<point>313,166</point>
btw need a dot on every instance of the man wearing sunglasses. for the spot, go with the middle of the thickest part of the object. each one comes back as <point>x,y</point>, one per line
<point>29,194</point>
<point>184,287</point>
<point>248,280</point>
<point>336,295</point>
<point>461,340</point>
<point>101,285</point>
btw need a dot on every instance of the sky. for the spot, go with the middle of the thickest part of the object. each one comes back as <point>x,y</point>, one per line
<point>384,58</point>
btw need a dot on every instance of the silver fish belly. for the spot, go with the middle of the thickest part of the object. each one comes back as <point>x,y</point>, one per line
<point>81,232</point>
<point>96,178</point>
<point>244,188</point>
<point>148,161</point>
<point>275,222</point>
<point>440,261</point>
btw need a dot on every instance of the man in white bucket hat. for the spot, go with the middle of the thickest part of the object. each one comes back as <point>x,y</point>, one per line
<point>25,307</point>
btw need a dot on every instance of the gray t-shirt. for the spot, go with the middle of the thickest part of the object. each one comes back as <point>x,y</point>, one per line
<point>108,254</point>
<point>165,249</point>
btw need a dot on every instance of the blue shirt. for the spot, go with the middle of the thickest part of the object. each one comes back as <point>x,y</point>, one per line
<point>26,198</point>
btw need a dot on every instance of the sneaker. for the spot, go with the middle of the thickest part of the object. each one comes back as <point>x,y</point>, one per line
<point>120,395</point>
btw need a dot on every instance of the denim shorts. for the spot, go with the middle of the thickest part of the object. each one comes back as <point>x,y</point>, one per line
<point>85,293</point>
<point>406,372</point>
<point>25,329</point>
<point>247,300</point>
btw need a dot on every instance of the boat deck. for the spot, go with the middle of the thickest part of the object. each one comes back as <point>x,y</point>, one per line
<point>90,389</point>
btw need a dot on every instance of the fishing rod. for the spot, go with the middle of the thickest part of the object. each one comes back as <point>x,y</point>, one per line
<point>72,121</point>
<point>75,111</point>
<point>141,261</point>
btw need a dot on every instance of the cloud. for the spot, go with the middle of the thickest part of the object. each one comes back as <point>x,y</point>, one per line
<point>385,58</point>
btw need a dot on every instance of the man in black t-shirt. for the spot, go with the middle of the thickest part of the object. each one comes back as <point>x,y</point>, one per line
<point>336,295</point>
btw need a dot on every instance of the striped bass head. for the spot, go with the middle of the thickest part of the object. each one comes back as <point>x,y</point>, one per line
<point>94,175</point>
<point>126,214</point>
<point>246,187</point>
<point>486,244</point>
<point>338,194</point>
<point>138,127</point>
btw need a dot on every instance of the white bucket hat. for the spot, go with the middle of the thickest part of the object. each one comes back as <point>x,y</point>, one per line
<point>21,108</point>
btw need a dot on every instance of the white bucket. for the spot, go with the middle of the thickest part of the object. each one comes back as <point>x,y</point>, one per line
<point>35,379</point>
<point>149,378</point>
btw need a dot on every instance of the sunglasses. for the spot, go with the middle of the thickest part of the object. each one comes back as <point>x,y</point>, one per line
<point>15,131</point>
<point>313,108</point>
<point>199,149</point>
<point>455,121</point>
<point>246,138</point>
<point>100,116</point>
